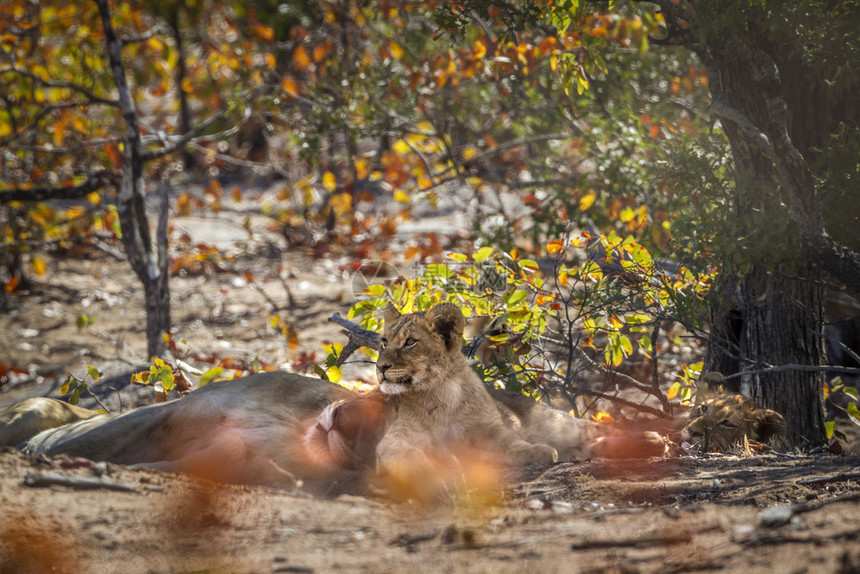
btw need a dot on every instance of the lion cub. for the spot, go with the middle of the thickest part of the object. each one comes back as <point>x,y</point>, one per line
<point>440,403</point>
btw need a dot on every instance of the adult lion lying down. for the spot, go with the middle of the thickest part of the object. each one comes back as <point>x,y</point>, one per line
<point>263,429</point>
<point>267,427</point>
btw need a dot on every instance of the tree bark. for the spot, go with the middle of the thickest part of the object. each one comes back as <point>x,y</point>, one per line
<point>181,72</point>
<point>777,308</point>
<point>149,266</point>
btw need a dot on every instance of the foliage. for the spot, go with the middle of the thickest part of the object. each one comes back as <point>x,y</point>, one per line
<point>76,385</point>
<point>547,322</point>
<point>840,399</point>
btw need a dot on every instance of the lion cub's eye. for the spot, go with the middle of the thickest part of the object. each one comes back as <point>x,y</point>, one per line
<point>383,343</point>
<point>409,342</point>
<point>727,424</point>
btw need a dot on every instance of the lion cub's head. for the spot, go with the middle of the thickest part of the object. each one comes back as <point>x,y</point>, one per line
<point>418,350</point>
<point>721,422</point>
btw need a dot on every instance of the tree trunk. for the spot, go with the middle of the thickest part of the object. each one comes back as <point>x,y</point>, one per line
<point>782,325</point>
<point>772,314</point>
<point>181,72</point>
<point>150,267</point>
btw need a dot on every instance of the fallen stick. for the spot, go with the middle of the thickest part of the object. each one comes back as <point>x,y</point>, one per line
<point>83,482</point>
<point>841,477</point>
<point>633,542</point>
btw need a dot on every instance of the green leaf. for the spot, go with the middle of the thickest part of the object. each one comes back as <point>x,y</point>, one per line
<point>853,413</point>
<point>851,392</point>
<point>517,296</point>
<point>375,290</point>
<point>528,265</point>
<point>167,378</point>
<point>829,427</point>
<point>210,376</point>
<point>94,373</point>
<point>626,345</point>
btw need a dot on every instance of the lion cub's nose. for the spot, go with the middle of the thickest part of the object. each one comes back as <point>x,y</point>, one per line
<point>382,369</point>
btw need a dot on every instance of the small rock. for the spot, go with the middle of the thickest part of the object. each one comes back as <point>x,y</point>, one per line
<point>776,515</point>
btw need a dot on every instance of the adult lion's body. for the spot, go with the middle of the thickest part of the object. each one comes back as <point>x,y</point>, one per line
<point>260,429</point>
<point>22,420</point>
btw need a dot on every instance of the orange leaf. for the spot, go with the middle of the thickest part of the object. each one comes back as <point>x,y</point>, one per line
<point>554,246</point>
<point>264,32</point>
<point>290,85</point>
<point>301,60</point>
<point>603,417</point>
<point>114,155</point>
<point>396,50</point>
<point>11,284</point>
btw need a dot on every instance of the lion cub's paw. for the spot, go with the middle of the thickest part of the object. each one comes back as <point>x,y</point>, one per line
<point>527,453</point>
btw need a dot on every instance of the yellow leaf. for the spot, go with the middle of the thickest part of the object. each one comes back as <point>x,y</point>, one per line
<point>479,49</point>
<point>400,196</point>
<point>482,253</point>
<point>361,169</point>
<point>603,417</point>
<point>333,373</point>
<point>341,204</point>
<point>155,44</point>
<point>329,181</point>
<point>38,266</point>
<point>673,390</point>
<point>401,147</point>
<point>587,200</point>
<point>396,50</point>
<point>94,198</point>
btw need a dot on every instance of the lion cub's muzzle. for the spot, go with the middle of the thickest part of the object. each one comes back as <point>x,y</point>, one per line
<point>388,377</point>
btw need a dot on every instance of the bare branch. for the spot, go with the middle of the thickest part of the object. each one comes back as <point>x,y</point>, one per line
<point>93,183</point>
<point>91,97</point>
<point>180,141</point>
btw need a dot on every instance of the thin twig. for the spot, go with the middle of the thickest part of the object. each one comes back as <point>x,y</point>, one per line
<point>53,479</point>
<point>96,399</point>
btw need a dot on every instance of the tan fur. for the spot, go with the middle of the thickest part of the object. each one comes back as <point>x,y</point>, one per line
<point>259,429</point>
<point>720,422</point>
<point>439,401</point>
<point>29,417</point>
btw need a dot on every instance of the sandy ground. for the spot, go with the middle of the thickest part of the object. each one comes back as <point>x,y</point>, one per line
<point>773,513</point>
<point>764,514</point>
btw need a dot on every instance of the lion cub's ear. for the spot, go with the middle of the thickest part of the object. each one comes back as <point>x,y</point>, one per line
<point>390,314</point>
<point>768,424</point>
<point>447,320</point>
